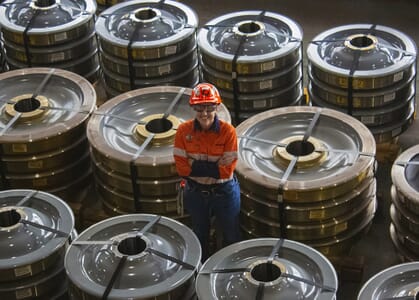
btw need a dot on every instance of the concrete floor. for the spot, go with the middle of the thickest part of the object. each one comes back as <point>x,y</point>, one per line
<point>315,17</point>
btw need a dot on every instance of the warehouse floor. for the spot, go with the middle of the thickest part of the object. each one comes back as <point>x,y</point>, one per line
<point>375,251</point>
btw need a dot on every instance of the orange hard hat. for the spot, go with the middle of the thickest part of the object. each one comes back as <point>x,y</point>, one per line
<point>205,93</point>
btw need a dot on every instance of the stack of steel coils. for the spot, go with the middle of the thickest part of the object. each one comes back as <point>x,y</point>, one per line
<point>148,43</point>
<point>306,174</point>
<point>51,33</point>
<point>396,282</point>
<point>255,60</point>
<point>404,210</point>
<point>268,269</point>
<point>43,130</point>
<point>367,71</point>
<point>35,228</point>
<point>132,139</point>
<point>137,256</point>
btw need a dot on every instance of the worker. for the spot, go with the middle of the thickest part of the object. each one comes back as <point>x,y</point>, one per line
<point>205,152</point>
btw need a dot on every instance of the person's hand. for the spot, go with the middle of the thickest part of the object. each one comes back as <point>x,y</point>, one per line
<point>225,160</point>
<point>190,161</point>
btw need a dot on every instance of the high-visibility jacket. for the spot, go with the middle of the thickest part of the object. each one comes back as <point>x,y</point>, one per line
<point>197,152</point>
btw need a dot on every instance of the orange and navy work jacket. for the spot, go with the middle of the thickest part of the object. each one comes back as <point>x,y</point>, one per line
<point>197,152</point>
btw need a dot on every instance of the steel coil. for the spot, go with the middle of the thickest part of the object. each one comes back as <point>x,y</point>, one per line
<point>43,138</point>
<point>148,43</point>
<point>131,122</point>
<point>50,33</point>
<point>36,228</point>
<point>367,71</point>
<point>404,210</point>
<point>251,56</point>
<point>281,269</point>
<point>396,282</point>
<point>327,196</point>
<point>158,258</point>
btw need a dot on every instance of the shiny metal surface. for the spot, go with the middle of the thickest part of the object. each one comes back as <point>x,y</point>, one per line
<point>155,29</point>
<point>42,285</point>
<point>407,238</point>
<point>387,56</point>
<point>337,175</point>
<point>53,53</point>
<point>327,197</point>
<point>310,211</point>
<point>144,274</point>
<point>46,160</point>
<point>404,174</point>
<point>377,116</point>
<point>269,42</point>
<point>396,282</point>
<point>255,84</point>
<point>254,58</point>
<point>26,249</point>
<point>53,22</point>
<point>251,258</point>
<point>186,78</point>
<point>151,68</point>
<point>68,108</point>
<point>363,99</point>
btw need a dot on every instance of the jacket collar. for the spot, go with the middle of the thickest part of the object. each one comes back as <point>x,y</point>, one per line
<point>214,127</point>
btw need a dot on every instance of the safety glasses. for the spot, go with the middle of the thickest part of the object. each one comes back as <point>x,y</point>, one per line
<point>201,108</point>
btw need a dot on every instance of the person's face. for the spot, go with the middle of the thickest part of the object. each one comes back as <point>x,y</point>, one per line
<point>205,114</point>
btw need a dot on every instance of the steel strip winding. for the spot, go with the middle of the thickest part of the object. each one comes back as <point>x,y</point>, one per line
<point>404,211</point>
<point>160,259</point>
<point>327,198</point>
<point>267,268</point>
<point>367,71</point>
<point>52,33</point>
<point>36,229</point>
<point>148,43</point>
<point>43,141</point>
<point>396,282</point>
<point>254,58</point>
<point>119,129</point>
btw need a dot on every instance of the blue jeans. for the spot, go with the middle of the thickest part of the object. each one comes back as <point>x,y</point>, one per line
<point>223,202</point>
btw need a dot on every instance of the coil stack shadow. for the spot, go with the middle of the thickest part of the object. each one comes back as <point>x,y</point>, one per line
<point>131,138</point>
<point>138,256</point>
<point>404,211</point>
<point>3,66</point>
<point>306,174</point>
<point>269,269</point>
<point>396,282</point>
<point>50,33</point>
<point>367,71</point>
<point>35,230</point>
<point>255,60</point>
<point>147,43</point>
<point>43,140</point>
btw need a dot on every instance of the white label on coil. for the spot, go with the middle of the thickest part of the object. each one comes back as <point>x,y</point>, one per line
<point>259,104</point>
<point>268,65</point>
<point>396,132</point>
<point>367,120</point>
<point>23,271</point>
<point>170,50</point>
<point>60,36</point>
<point>265,84</point>
<point>164,69</point>
<point>389,97</point>
<point>398,77</point>
<point>25,293</point>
